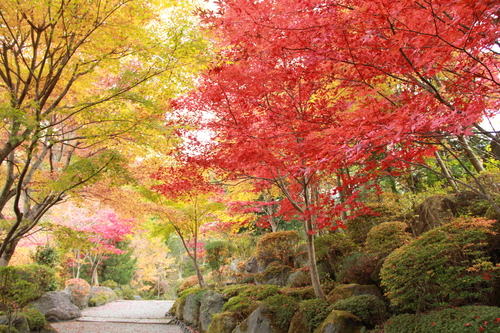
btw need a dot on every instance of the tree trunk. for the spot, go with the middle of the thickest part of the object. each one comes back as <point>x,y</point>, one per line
<point>476,163</point>
<point>201,280</point>
<point>8,253</point>
<point>313,268</point>
<point>446,172</point>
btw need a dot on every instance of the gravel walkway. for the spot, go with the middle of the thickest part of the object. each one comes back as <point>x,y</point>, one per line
<point>122,317</point>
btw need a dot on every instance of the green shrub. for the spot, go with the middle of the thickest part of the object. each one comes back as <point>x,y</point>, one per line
<point>42,276</point>
<point>264,291</point>
<point>110,284</point>
<point>46,255</point>
<point>283,308</point>
<point>445,266</point>
<point>235,290</point>
<point>15,292</point>
<point>128,293</point>
<point>333,247</point>
<point>404,323</point>
<point>218,253</point>
<point>300,294</point>
<point>241,305</point>
<point>36,320</point>
<point>281,246</point>
<point>387,236</point>
<point>470,318</point>
<point>314,312</point>
<point>357,268</point>
<point>369,308</point>
<point>5,329</point>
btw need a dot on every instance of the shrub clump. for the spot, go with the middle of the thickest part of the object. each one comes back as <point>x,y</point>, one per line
<point>445,266</point>
<point>36,320</point>
<point>110,284</point>
<point>283,308</point>
<point>369,308</point>
<point>314,312</point>
<point>281,246</point>
<point>470,318</point>
<point>386,237</point>
<point>358,268</point>
<point>300,294</point>
<point>333,247</point>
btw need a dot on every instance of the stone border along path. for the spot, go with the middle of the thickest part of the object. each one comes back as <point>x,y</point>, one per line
<point>124,317</point>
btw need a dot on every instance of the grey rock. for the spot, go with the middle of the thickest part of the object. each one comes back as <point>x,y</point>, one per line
<point>191,310</point>
<point>56,306</point>
<point>252,266</point>
<point>211,302</point>
<point>257,322</point>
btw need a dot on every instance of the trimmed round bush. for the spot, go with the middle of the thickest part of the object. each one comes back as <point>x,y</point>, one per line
<point>369,308</point>
<point>445,266</point>
<point>387,236</point>
<point>470,318</point>
<point>314,312</point>
<point>281,246</point>
<point>283,308</point>
<point>333,247</point>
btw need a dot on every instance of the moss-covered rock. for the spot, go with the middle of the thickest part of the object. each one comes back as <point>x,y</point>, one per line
<point>211,303</point>
<point>102,295</point>
<point>260,321</point>
<point>344,291</point>
<point>224,322</point>
<point>340,322</point>
<point>297,324</point>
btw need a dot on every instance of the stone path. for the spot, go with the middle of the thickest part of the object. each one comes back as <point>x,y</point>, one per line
<point>123,317</point>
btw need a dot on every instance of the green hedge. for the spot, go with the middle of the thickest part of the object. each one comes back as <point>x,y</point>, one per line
<point>471,318</point>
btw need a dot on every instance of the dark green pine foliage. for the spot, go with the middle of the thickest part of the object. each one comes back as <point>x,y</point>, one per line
<point>120,267</point>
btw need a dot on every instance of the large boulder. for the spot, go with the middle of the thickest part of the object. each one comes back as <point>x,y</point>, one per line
<point>344,291</point>
<point>191,311</point>
<point>211,302</point>
<point>56,306</point>
<point>101,296</point>
<point>259,321</point>
<point>340,322</point>
<point>432,213</point>
<point>79,291</point>
<point>297,324</point>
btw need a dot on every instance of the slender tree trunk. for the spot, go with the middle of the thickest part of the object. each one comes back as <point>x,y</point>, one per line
<point>476,163</point>
<point>201,280</point>
<point>313,268</point>
<point>446,172</point>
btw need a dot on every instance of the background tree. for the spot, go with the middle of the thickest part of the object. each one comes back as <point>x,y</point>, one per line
<point>75,82</point>
<point>186,202</point>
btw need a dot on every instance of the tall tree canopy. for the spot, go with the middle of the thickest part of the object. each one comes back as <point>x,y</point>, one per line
<point>77,79</point>
<point>319,98</point>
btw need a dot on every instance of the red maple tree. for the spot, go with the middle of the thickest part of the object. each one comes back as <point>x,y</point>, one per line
<point>319,99</point>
